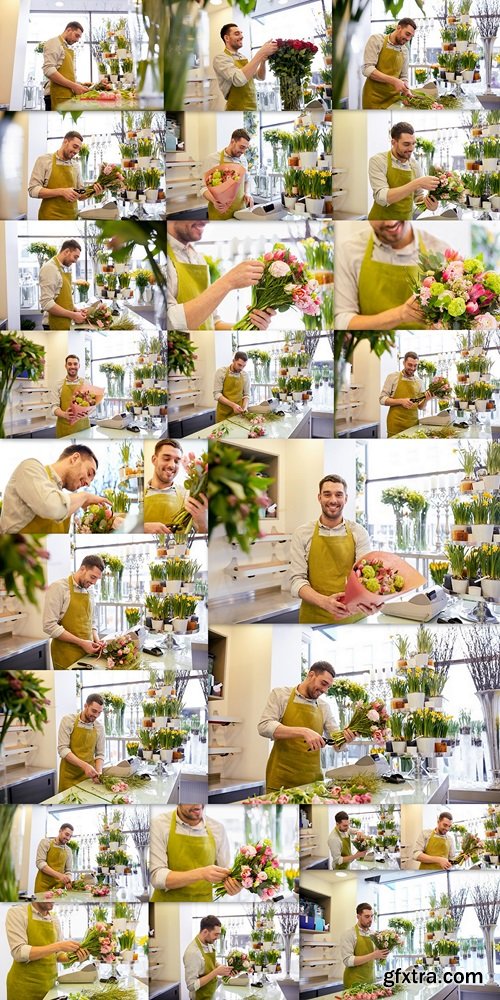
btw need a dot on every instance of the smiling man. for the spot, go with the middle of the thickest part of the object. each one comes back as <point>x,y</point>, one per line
<point>233,153</point>
<point>235,74</point>
<point>189,854</point>
<point>56,180</point>
<point>59,65</point>
<point>397,393</point>
<point>56,296</point>
<point>323,553</point>
<point>164,497</point>
<point>191,299</point>
<point>69,616</point>
<point>385,65</point>
<point>396,178</point>
<point>54,860</point>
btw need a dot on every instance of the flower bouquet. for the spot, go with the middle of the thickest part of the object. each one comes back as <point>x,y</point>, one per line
<point>236,494</point>
<point>196,483</point>
<point>377,577</point>
<point>239,962</point>
<point>439,387</point>
<point>471,850</point>
<point>122,653</point>
<point>96,520</point>
<point>109,177</point>
<point>100,942</point>
<point>257,428</point>
<point>456,293</point>
<point>450,187</point>
<point>369,720</point>
<point>257,868</point>
<point>291,64</point>
<point>285,282</point>
<point>386,939</point>
<point>370,991</point>
<point>84,398</point>
<point>55,893</point>
<point>20,359</point>
<point>361,841</point>
<point>133,616</point>
<point>99,315</point>
<point>222,183</point>
<point>352,791</point>
<point>98,890</point>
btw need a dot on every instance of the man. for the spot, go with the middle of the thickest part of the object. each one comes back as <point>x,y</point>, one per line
<point>233,153</point>
<point>59,65</point>
<point>385,65</point>
<point>357,950</point>
<point>200,962</point>
<point>189,853</point>
<point>69,422</point>
<point>397,392</point>
<point>81,744</point>
<point>191,299</point>
<point>56,297</point>
<point>396,178</point>
<point>56,181</point>
<point>296,718</point>
<point>164,497</point>
<point>232,387</point>
<point>36,945</point>
<point>323,553</point>
<point>35,498</point>
<point>435,849</point>
<point>69,617</point>
<point>54,861</point>
<point>376,271</point>
<point>235,74</point>
<point>339,843</point>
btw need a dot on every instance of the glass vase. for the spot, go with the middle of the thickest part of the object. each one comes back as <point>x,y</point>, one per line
<point>291,93</point>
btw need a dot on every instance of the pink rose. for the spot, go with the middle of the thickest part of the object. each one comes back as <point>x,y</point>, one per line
<point>278,269</point>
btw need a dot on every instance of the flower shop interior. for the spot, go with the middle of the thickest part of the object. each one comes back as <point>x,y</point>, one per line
<point>255,582</point>
<point>118,365</point>
<point>450,355</point>
<point>193,359</point>
<point>462,770</point>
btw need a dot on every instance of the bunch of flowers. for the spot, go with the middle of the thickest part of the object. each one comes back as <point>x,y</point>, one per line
<point>370,991</point>
<point>99,314</point>
<point>133,616</point>
<point>285,282</point>
<point>456,294</point>
<point>238,961</point>
<point>22,700</point>
<point>257,868</point>
<point>236,494</point>
<point>353,791</point>
<point>344,690</point>
<point>377,578</point>
<point>291,874</point>
<point>257,428</point>
<point>386,939</point>
<point>438,387</point>
<point>471,849</point>
<point>196,484</point>
<point>20,359</point>
<point>84,397</point>
<point>369,719</point>
<point>98,890</point>
<point>219,432</point>
<point>96,520</point>
<point>121,653</point>
<point>222,182</point>
<point>362,841</point>
<point>450,187</point>
<point>51,893</point>
<point>109,177</point>
<point>20,557</point>
<point>100,942</point>
<point>291,64</point>
<point>181,354</point>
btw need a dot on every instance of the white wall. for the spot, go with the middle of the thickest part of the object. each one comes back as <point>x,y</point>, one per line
<point>349,147</point>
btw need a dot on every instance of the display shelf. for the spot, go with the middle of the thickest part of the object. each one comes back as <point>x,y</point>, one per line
<point>257,569</point>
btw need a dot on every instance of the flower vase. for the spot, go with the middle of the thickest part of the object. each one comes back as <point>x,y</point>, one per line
<point>83,294</point>
<point>490,704</point>
<point>488,45</point>
<point>489,943</point>
<point>291,93</point>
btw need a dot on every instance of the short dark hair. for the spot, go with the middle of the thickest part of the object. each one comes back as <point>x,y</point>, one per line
<point>66,826</point>
<point>93,562</point>
<point>401,128</point>
<point>94,697</point>
<point>332,479</point>
<point>68,356</point>
<point>73,135</point>
<point>225,29</point>
<point>240,356</point>
<point>407,22</point>
<point>75,25</point>
<point>445,815</point>
<point>208,923</point>
<point>340,816</point>
<point>363,906</point>
<point>411,354</point>
<point>82,449</point>
<point>70,245</point>
<point>241,133</point>
<point>170,441</point>
<point>320,666</point>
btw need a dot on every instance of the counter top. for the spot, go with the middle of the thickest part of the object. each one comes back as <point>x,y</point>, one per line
<point>425,791</point>
<point>20,773</point>
<point>116,895</point>
<point>10,644</point>
<point>271,991</point>
<point>97,433</point>
<point>456,607</point>
<point>287,426</point>
<point>181,656</point>
<point>479,430</point>
<point>142,324</point>
<point>263,606</point>
<point>157,791</point>
<point>159,986</point>
<point>63,989</point>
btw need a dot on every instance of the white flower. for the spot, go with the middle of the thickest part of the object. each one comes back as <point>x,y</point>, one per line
<point>372,715</point>
<point>289,289</point>
<point>278,269</point>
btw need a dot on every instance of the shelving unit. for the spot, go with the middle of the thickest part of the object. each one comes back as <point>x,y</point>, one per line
<point>274,565</point>
<point>217,654</point>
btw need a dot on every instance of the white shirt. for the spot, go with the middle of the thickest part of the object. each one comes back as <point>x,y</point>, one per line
<point>56,604</point>
<point>42,170</point>
<point>227,73</point>
<point>335,845</point>
<point>219,381</point>
<point>275,708</point>
<point>160,832</point>
<point>50,280</point>
<point>30,492</point>
<point>348,944</point>
<point>349,257</point>
<point>301,543</point>
<point>54,52</point>
<point>43,849</point>
<point>194,964</point>
<point>214,161</point>
<point>377,174</point>
<point>16,926</point>
<point>66,727</point>
<point>391,383</point>
<point>185,254</point>
<point>373,48</point>
<point>423,839</point>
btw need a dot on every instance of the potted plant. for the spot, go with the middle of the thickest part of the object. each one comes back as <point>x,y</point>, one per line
<point>399,690</point>
<point>42,251</point>
<point>148,713</point>
<point>396,726</point>
<point>155,607</point>
<point>489,561</point>
<point>482,507</point>
<point>456,556</point>
<point>469,458</point>
<point>425,646</point>
<point>491,481</point>
<point>272,956</point>
<point>152,177</point>
<point>402,643</point>
<point>318,184</point>
<point>415,685</point>
<point>145,736</point>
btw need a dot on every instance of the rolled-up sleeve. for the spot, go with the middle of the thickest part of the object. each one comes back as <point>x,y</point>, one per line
<point>335,848</point>
<point>39,177</point>
<point>53,56</point>
<point>299,552</point>
<point>347,946</point>
<point>65,729</point>
<point>16,928</point>
<point>377,175</point>
<point>55,606</point>
<point>50,285</point>
<point>41,494</point>
<point>388,388</point>
<point>41,854</point>
<point>272,714</point>
<point>372,51</point>
<point>158,868</point>
<point>347,270</point>
<point>219,382</point>
<point>100,748</point>
<point>194,968</point>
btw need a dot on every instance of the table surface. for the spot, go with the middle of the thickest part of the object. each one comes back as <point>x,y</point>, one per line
<point>19,773</point>
<point>284,427</point>
<point>480,430</point>
<point>65,988</point>
<point>10,644</point>
<point>111,433</point>
<point>115,895</point>
<point>180,657</point>
<point>158,791</point>
<point>412,792</point>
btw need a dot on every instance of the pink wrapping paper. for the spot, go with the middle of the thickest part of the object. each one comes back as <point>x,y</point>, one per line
<point>225,193</point>
<point>358,598</point>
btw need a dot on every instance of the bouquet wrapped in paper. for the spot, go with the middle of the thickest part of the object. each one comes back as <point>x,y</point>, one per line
<point>222,182</point>
<point>84,398</point>
<point>440,388</point>
<point>239,962</point>
<point>369,719</point>
<point>386,939</point>
<point>109,177</point>
<point>99,315</point>
<point>377,577</point>
<point>472,848</point>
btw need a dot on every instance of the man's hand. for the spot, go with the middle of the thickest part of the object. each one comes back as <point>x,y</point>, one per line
<point>401,87</point>
<point>349,736</point>
<point>78,88</point>
<point>443,863</point>
<point>313,739</point>
<point>427,183</point>
<point>231,886</point>
<point>198,508</point>
<point>237,408</point>
<point>379,953</point>
<point>410,312</point>
<point>98,189</point>
<point>156,528</point>
<point>90,498</point>
<point>70,947</point>
<point>407,404</point>
<point>268,49</point>
<point>360,854</point>
<point>431,203</point>
<point>224,970</point>
<point>89,770</point>
<point>249,202</point>
<point>262,317</point>
<point>90,647</point>
<point>78,317</point>
<point>334,605</point>
<point>249,272</point>
<point>428,395</point>
<point>213,873</point>
<point>66,879</point>
<point>69,194</point>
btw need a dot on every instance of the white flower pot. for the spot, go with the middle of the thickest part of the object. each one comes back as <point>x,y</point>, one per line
<point>412,751</point>
<point>188,587</point>
<point>481,405</point>
<point>421,659</point>
<point>271,969</point>
<point>104,869</point>
<point>148,383</point>
<point>166,755</point>
<point>486,205</point>
<point>475,591</point>
<point>167,691</point>
<point>326,161</point>
<point>491,589</point>
<point>477,486</point>
<point>467,75</point>
<point>481,533</point>
<point>450,77</point>
<point>141,198</point>
<point>399,746</point>
<point>114,845</point>
<point>119,924</point>
<point>143,162</point>
<point>128,78</point>
<point>119,869</point>
<point>290,201</point>
<point>444,959</point>
<point>465,19</point>
<point>113,77</point>
<point>151,195</point>
<point>416,700</point>
<point>147,754</point>
<point>425,745</point>
<point>491,483</point>
<point>156,757</point>
<point>144,133</point>
<point>160,721</point>
<point>126,956</point>
<point>474,202</point>
<point>122,53</point>
<point>461,46</point>
<point>156,624</point>
<point>495,202</point>
<point>154,411</point>
<point>490,163</point>
<point>180,549</point>
<point>474,376</point>
<point>174,723</point>
<point>137,410</point>
<point>308,160</point>
<point>493,859</point>
<point>132,195</point>
<point>459,586</point>
<point>315,206</point>
<point>172,586</point>
<point>180,625</point>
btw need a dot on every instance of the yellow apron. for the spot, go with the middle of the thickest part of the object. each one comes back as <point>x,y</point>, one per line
<point>59,94</point>
<point>331,559</point>
<point>192,280</point>
<point>438,846</point>
<point>56,859</point>
<point>43,525</point>
<point>237,203</point>
<point>210,958</point>
<point>241,98</point>
<point>402,209</point>
<point>77,620</point>
<point>63,426</point>
<point>290,761</point>
<point>64,299</point>
<point>32,980</point>
<point>58,208</point>
<point>82,743</point>
<point>232,389</point>
<point>381,95</point>
<point>345,851</point>
<point>183,854</point>
<point>163,507</point>
<point>398,418</point>
<point>385,286</point>
<point>360,973</point>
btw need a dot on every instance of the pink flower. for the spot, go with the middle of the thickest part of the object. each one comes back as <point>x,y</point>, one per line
<point>49,894</point>
<point>427,282</point>
<point>372,715</point>
<point>452,254</point>
<point>248,851</point>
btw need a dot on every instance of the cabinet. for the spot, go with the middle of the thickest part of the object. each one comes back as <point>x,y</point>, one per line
<point>22,653</point>
<point>32,791</point>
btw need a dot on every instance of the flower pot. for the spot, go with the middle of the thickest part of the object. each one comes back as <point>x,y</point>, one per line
<point>119,924</point>
<point>474,202</point>
<point>436,702</point>
<point>160,721</point>
<point>481,533</point>
<point>425,745</point>
<point>467,75</point>
<point>180,549</point>
<point>399,746</point>
<point>495,202</point>
<point>308,160</point>
<point>490,163</point>
<point>461,46</point>
<point>147,754</point>
<point>180,625</point>
<point>475,590</point>
<point>459,586</point>
<point>104,869</point>
<point>156,757</point>
<point>271,969</point>
<point>459,533</point>
<point>143,162</point>
<point>491,483</point>
<point>166,755</point>
<point>126,956</point>
<point>450,77</point>
<point>464,19</point>
<point>151,195</point>
<point>156,624</point>
<point>491,589</point>
<point>416,700</point>
<point>444,959</point>
<point>290,202</point>
<point>132,195</point>
<point>172,586</point>
<point>466,485</point>
<point>477,486</point>
<point>113,845</point>
<point>315,206</point>
<point>421,659</point>
<point>119,869</point>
